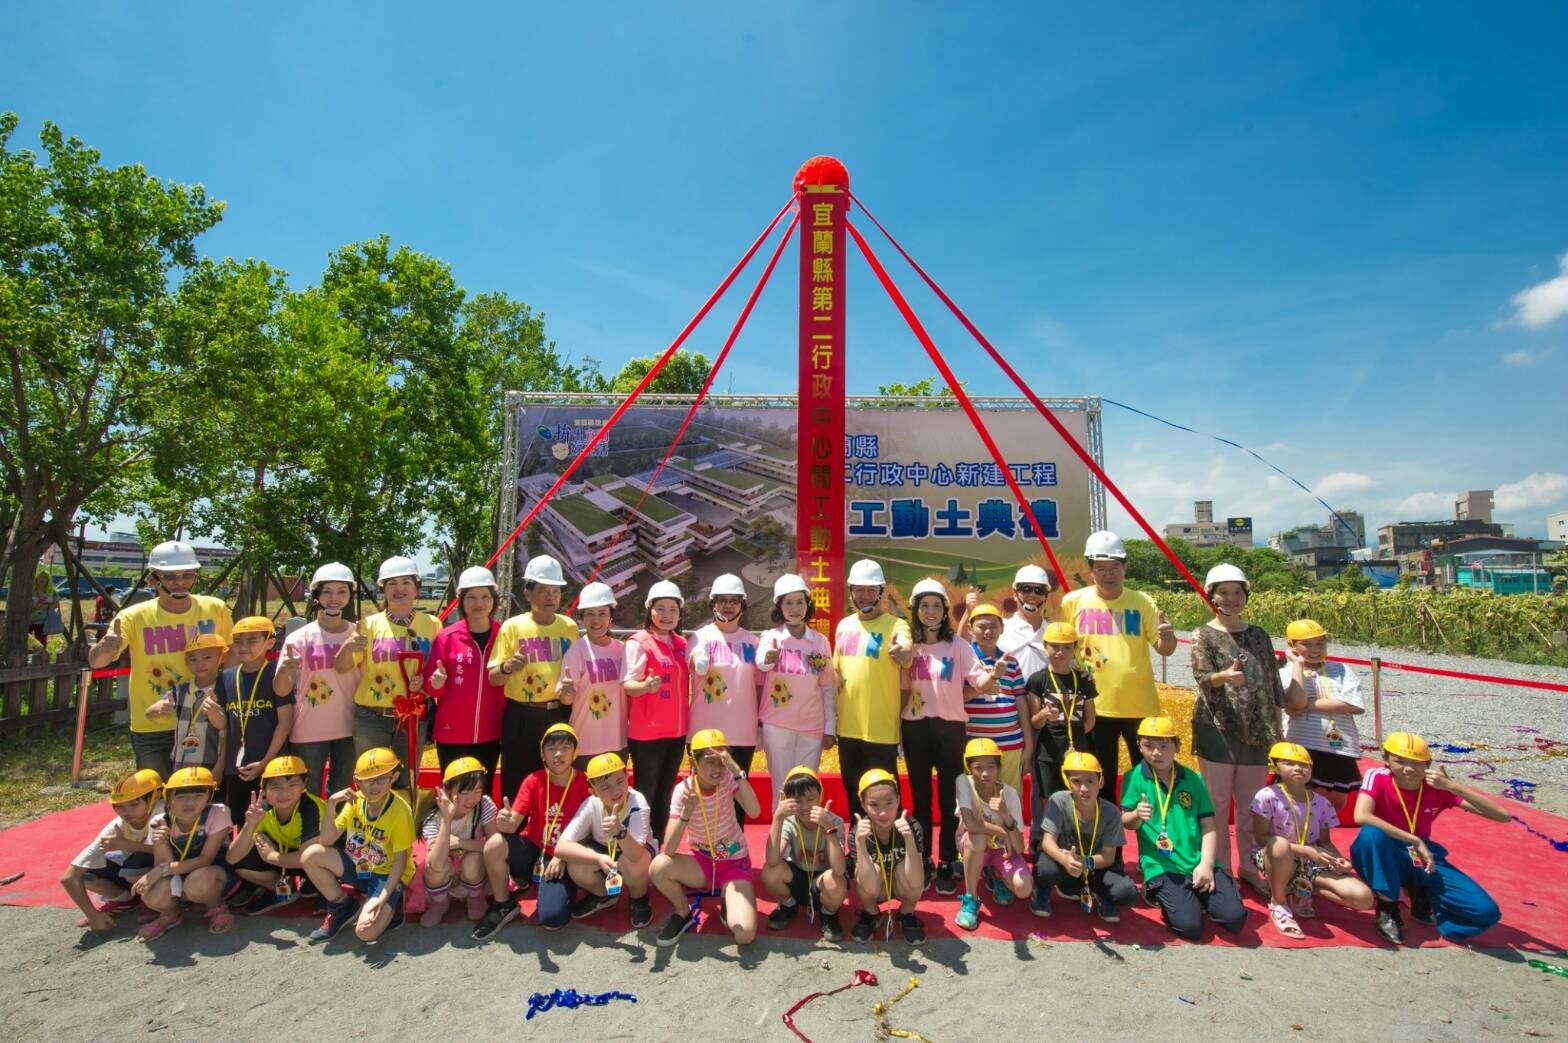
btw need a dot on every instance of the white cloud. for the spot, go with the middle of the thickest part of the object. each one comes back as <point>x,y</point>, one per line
<point>1532,491</point>
<point>1342,483</point>
<point>1545,302</point>
<point>1526,357</point>
<point>1425,507</point>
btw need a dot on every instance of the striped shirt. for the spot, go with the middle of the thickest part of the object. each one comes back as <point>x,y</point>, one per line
<point>995,716</point>
<point>1327,732</point>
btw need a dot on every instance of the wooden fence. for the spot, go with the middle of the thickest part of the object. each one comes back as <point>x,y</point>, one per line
<point>44,694</point>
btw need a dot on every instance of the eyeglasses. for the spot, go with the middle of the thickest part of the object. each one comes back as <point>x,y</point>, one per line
<point>1030,588</point>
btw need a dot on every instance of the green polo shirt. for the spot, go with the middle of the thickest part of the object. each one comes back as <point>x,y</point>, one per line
<point>1189,806</point>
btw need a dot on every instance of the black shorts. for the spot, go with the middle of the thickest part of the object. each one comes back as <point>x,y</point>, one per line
<point>1335,771</point>
<point>803,885</point>
<point>522,855</point>
<point>125,872</point>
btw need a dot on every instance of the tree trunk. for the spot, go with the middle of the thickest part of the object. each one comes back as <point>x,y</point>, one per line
<point>19,602</point>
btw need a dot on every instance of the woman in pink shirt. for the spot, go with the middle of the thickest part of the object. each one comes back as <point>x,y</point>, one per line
<point>798,685</point>
<point>323,731</point>
<point>935,723</point>
<point>724,674</point>
<point>468,708</point>
<point>658,686</point>
<point>591,673</point>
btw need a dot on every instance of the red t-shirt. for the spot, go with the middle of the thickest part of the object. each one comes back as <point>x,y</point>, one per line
<point>1379,784</point>
<point>556,810</point>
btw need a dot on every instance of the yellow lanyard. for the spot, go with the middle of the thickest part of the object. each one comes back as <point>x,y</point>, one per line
<point>885,873</point>
<point>250,700</point>
<point>1305,828</point>
<point>1410,817</point>
<point>196,714</point>
<point>814,862</point>
<point>190,838</point>
<point>1084,852</point>
<point>710,824</point>
<point>1164,801</point>
<point>1068,704</point>
<point>549,822</point>
<point>612,846</point>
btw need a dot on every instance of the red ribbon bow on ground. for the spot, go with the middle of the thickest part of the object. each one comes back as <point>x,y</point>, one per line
<point>861,978</point>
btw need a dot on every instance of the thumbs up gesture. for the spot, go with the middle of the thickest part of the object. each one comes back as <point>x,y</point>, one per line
<point>902,825</point>
<point>357,643</point>
<point>438,677</point>
<point>1232,676</point>
<point>290,667</point>
<point>114,640</point>
<point>1165,628</point>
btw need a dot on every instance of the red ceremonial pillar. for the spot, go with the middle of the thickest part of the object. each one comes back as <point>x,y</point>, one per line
<point>822,191</point>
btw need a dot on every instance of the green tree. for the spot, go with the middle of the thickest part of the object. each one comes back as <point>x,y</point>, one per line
<point>90,258</point>
<point>682,375</point>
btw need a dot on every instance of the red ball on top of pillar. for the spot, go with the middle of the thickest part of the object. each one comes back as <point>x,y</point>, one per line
<point>822,170</point>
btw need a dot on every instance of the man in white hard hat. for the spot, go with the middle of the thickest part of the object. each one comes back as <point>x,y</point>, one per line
<point>870,646</point>
<point>156,631</point>
<point>1116,628</point>
<point>378,642</point>
<point>1022,633</point>
<point>323,732</point>
<point>526,658</point>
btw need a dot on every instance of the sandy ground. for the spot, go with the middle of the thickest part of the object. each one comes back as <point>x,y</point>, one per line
<point>261,981</point>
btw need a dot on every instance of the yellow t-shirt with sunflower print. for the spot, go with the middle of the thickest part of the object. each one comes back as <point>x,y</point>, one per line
<point>543,647</point>
<point>381,678</point>
<point>156,640</point>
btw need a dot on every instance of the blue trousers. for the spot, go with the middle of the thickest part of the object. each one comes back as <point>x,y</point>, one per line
<point>1183,908</point>
<point>1461,908</point>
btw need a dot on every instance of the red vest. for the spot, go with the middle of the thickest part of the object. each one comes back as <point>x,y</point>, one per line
<point>663,713</point>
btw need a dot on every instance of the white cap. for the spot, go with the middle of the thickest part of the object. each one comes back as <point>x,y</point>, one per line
<point>476,576</point>
<point>172,556</point>
<point>928,586</point>
<point>663,589</point>
<point>396,566</point>
<point>544,569</point>
<point>1104,544</point>
<point>333,572</point>
<point>789,583</point>
<point>1224,573</point>
<point>596,595</point>
<point>866,573</point>
<point>1032,574</point>
<point>728,584</point>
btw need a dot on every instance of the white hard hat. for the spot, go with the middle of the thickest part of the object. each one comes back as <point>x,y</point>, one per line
<point>663,589</point>
<point>1032,574</point>
<point>173,555</point>
<point>866,573</point>
<point>596,595</point>
<point>928,586</point>
<point>332,572</point>
<point>396,566</point>
<point>544,569</point>
<point>727,584</point>
<point>1104,544</point>
<point>1224,573</point>
<point>476,576</point>
<point>789,583</point>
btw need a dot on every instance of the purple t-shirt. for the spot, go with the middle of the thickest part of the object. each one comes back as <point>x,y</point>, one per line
<point>1286,815</point>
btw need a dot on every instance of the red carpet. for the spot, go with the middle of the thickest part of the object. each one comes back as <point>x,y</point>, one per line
<point>1513,865</point>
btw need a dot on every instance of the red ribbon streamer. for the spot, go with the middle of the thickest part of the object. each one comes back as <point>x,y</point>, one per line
<point>702,393</point>
<point>958,391</point>
<point>1083,454</point>
<point>408,709</point>
<point>862,977</point>
<point>620,410</point>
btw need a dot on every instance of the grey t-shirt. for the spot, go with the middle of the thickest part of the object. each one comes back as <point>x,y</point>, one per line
<point>805,847</point>
<point>1058,822</point>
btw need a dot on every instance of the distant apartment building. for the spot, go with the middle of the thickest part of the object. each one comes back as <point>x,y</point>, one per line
<point>1401,538</point>
<point>1204,531</point>
<point>1557,527</point>
<point>123,550</point>
<point>1475,505</point>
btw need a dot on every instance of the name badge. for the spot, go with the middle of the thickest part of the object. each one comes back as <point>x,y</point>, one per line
<point>612,884</point>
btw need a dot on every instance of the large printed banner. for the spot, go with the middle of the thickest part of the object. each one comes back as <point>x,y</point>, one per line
<point>921,496</point>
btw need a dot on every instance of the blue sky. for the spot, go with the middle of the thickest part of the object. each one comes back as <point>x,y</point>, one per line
<point>1308,230</point>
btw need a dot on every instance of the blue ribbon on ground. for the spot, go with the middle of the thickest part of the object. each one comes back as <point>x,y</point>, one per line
<point>540,1002</point>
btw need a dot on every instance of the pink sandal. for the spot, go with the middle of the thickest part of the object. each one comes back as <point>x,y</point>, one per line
<point>219,919</point>
<point>1284,923</point>
<point>155,927</point>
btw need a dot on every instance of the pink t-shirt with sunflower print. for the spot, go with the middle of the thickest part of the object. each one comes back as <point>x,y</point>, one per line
<point>726,696</point>
<point>798,688</point>
<point>323,698</point>
<point>598,704</point>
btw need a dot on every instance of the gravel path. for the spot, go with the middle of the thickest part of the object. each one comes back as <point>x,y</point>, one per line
<point>1518,733</point>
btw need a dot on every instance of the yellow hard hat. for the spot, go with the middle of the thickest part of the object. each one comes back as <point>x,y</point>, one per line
<point>1080,761</point>
<point>558,729</point>
<point>985,608</point>
<point>981,747</point>
<point>1304,630</point>
<point>461,766</point>
<point>254,625</point>
<point>1289,751</point>
<point>200,641</point>
<point>191,778</point>
<point>605,764</point>
<point>1061,634</point>
<point>283,767</point>
<point>137,784</point>
<point>708,739</point>
<point>874,777</point>
<point>800,771</point>
<point>1158,728</point>
<point>373,764</point>
<point>1408,745</point>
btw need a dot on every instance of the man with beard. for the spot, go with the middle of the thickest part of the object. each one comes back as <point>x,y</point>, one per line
<point>156,632</point>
